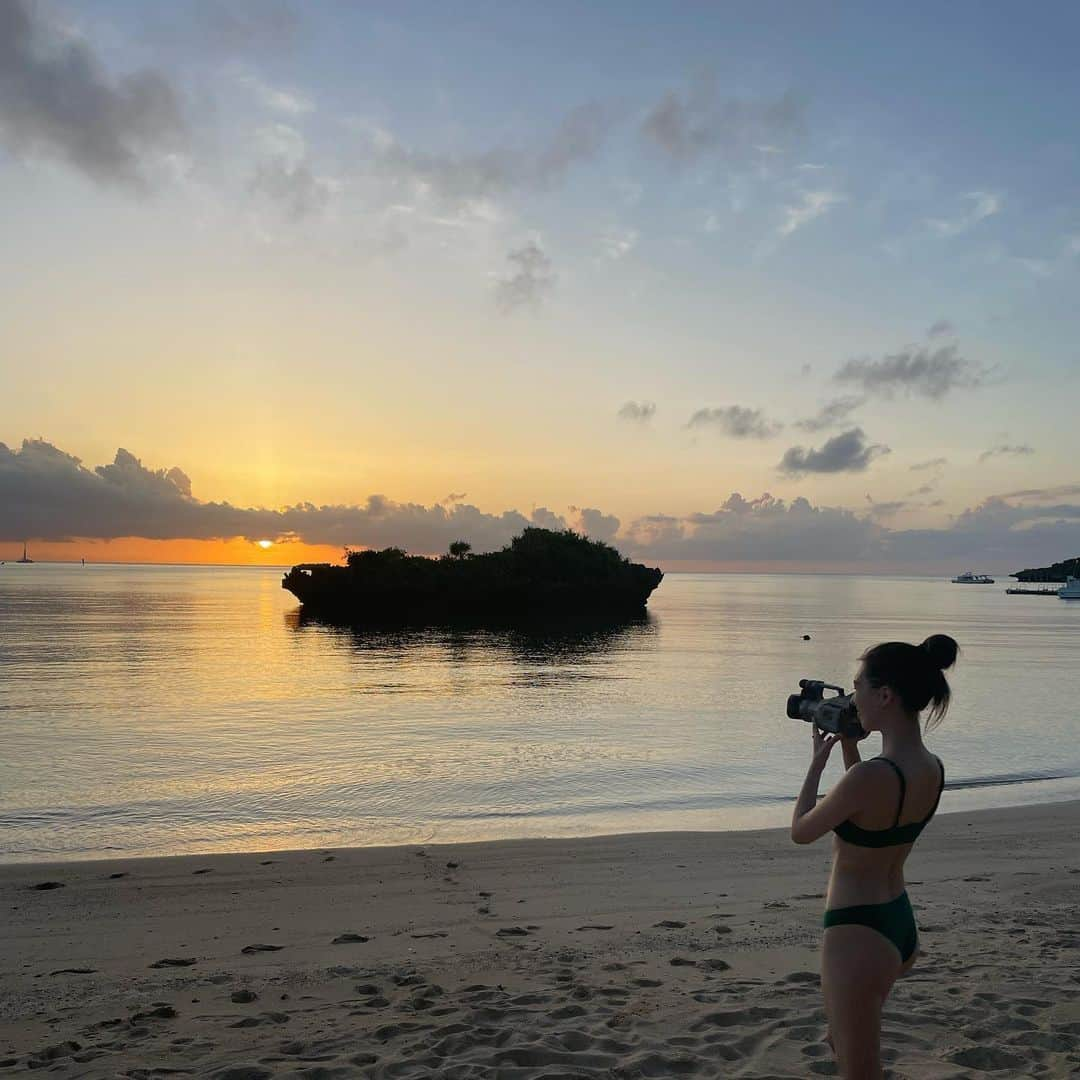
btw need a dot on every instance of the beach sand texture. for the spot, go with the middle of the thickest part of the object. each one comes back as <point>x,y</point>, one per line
<point>676,954</point>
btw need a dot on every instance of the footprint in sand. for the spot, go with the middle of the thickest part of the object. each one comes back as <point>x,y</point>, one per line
<point>713,963</point>
<point>669,924</point>
<point>348,939</point>
<point>596,926</point>
<point>431,933</point>
<point>45,886</point>
<point>113,877</point>
<point>162,1012</point>
<point>249,949</point>
<point>206,870</point>
<point>74,971</point>
<point>511,931</point>
<point>243,997</point>
<point>682,961</point>
<point>169,962</point>
<point>268,862</point>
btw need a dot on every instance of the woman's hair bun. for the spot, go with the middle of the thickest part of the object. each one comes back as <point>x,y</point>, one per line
<point>942,650</point>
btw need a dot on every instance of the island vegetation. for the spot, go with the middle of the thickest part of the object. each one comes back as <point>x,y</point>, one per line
<point>1059,571</point>
<point>541,573</point>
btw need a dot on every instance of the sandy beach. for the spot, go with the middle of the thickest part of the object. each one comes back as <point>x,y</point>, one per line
<point>666,954</point>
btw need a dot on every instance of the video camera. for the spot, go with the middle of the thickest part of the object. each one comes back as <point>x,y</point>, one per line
<point>835,714</point>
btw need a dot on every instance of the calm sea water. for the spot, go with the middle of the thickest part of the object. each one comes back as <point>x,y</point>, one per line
<point>162,710</point>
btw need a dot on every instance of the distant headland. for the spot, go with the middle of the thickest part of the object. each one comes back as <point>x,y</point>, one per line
<point>541,573</point>
<point>1059,571</point>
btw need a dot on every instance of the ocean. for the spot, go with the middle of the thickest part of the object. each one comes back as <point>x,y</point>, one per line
<point>155,710</point>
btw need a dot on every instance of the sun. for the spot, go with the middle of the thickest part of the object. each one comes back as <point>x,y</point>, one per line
<point>264,544</point>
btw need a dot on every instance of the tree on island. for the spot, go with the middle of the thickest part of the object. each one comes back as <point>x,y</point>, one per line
<point>459,549</point>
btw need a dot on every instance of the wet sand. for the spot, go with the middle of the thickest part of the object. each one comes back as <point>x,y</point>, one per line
<point>664,954</point>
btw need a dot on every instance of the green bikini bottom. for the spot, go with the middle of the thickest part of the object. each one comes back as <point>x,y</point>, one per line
<point>895,920</point>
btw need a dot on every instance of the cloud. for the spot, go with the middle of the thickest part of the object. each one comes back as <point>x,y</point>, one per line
<point>1062,491</point>
<point>848,452</point>
<point>290,102</point>
<point>942,328</point>
<point>639,412</point>
<point>933,463</point>
<point>57,100</point>
<point>702,121</point>
<point>617,243</point>
<point>756,530</point>
<point>831,414</point>
<point>813,205</point>
<point>292,186</point>
<point>455,497</point>
<point>594,523</point>
<point>736,421</point>
<point>926,372</point>
<point>457,179</point>
<point>531,281</point>
<point>879,510</point>
<point>984,204</point>
<point>48,494</point>
<point>1003,449</point>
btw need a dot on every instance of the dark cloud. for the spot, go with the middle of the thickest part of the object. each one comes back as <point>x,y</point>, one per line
<point>930,373</point>
<point>1062,491</point>
<point>595,523</point>
<point>640,412</point>
<point>47,494</point>
<point>933,463</point>
<point>848,452</point>
<point>736,421</point>
<point>454,497</point>
<point>926,489</point>
<point>531,281</point>
<point>292,186</point>
<point>831,414</point>
<point>57,100</point>
<point>702,121</point>
<point>1004,449</point>
<point>879,510</point>
<point>763,529</point>
<point>942,328</point>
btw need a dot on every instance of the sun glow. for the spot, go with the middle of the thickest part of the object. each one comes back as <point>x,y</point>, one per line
<point>264,544</point>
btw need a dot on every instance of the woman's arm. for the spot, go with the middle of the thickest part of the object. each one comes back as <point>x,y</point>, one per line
<point>812,819</point>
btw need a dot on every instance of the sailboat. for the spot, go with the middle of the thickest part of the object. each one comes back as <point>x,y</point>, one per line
<point>25,558</point>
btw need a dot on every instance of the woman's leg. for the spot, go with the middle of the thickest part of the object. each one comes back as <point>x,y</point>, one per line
<point>858,968</point>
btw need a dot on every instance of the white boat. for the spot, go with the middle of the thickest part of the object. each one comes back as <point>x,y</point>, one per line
<point>968,578</point>
<point>1071,589</point>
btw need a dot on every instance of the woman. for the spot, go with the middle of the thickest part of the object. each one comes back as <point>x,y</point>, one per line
<point>876,810</point>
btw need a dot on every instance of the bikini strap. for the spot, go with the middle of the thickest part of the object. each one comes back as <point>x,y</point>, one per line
<point>903,787</point>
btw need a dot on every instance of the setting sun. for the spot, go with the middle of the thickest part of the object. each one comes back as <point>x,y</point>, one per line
<point>264,544</point>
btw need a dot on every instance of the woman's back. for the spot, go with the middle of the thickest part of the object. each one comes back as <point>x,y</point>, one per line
<point>870,848</point>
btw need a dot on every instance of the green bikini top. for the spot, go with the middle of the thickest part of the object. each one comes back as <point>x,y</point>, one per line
<point>898,834</point>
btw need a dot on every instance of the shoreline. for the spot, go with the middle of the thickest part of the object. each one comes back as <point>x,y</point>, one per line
<point>76,859</point>
<point>646,953</point>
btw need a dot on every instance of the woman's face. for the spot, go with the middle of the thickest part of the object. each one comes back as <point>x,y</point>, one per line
<point>866,704</point>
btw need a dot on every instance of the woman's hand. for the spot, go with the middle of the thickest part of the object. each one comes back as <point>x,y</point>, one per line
<point>823,745</point>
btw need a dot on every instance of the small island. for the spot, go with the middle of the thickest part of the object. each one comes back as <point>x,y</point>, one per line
<point>1059,571</point>
<point>541,574</point>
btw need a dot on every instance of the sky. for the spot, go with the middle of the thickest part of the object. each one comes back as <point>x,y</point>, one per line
<point>752,286</point>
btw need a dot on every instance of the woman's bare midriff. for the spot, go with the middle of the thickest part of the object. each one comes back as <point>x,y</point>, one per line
<point>863,875</point>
